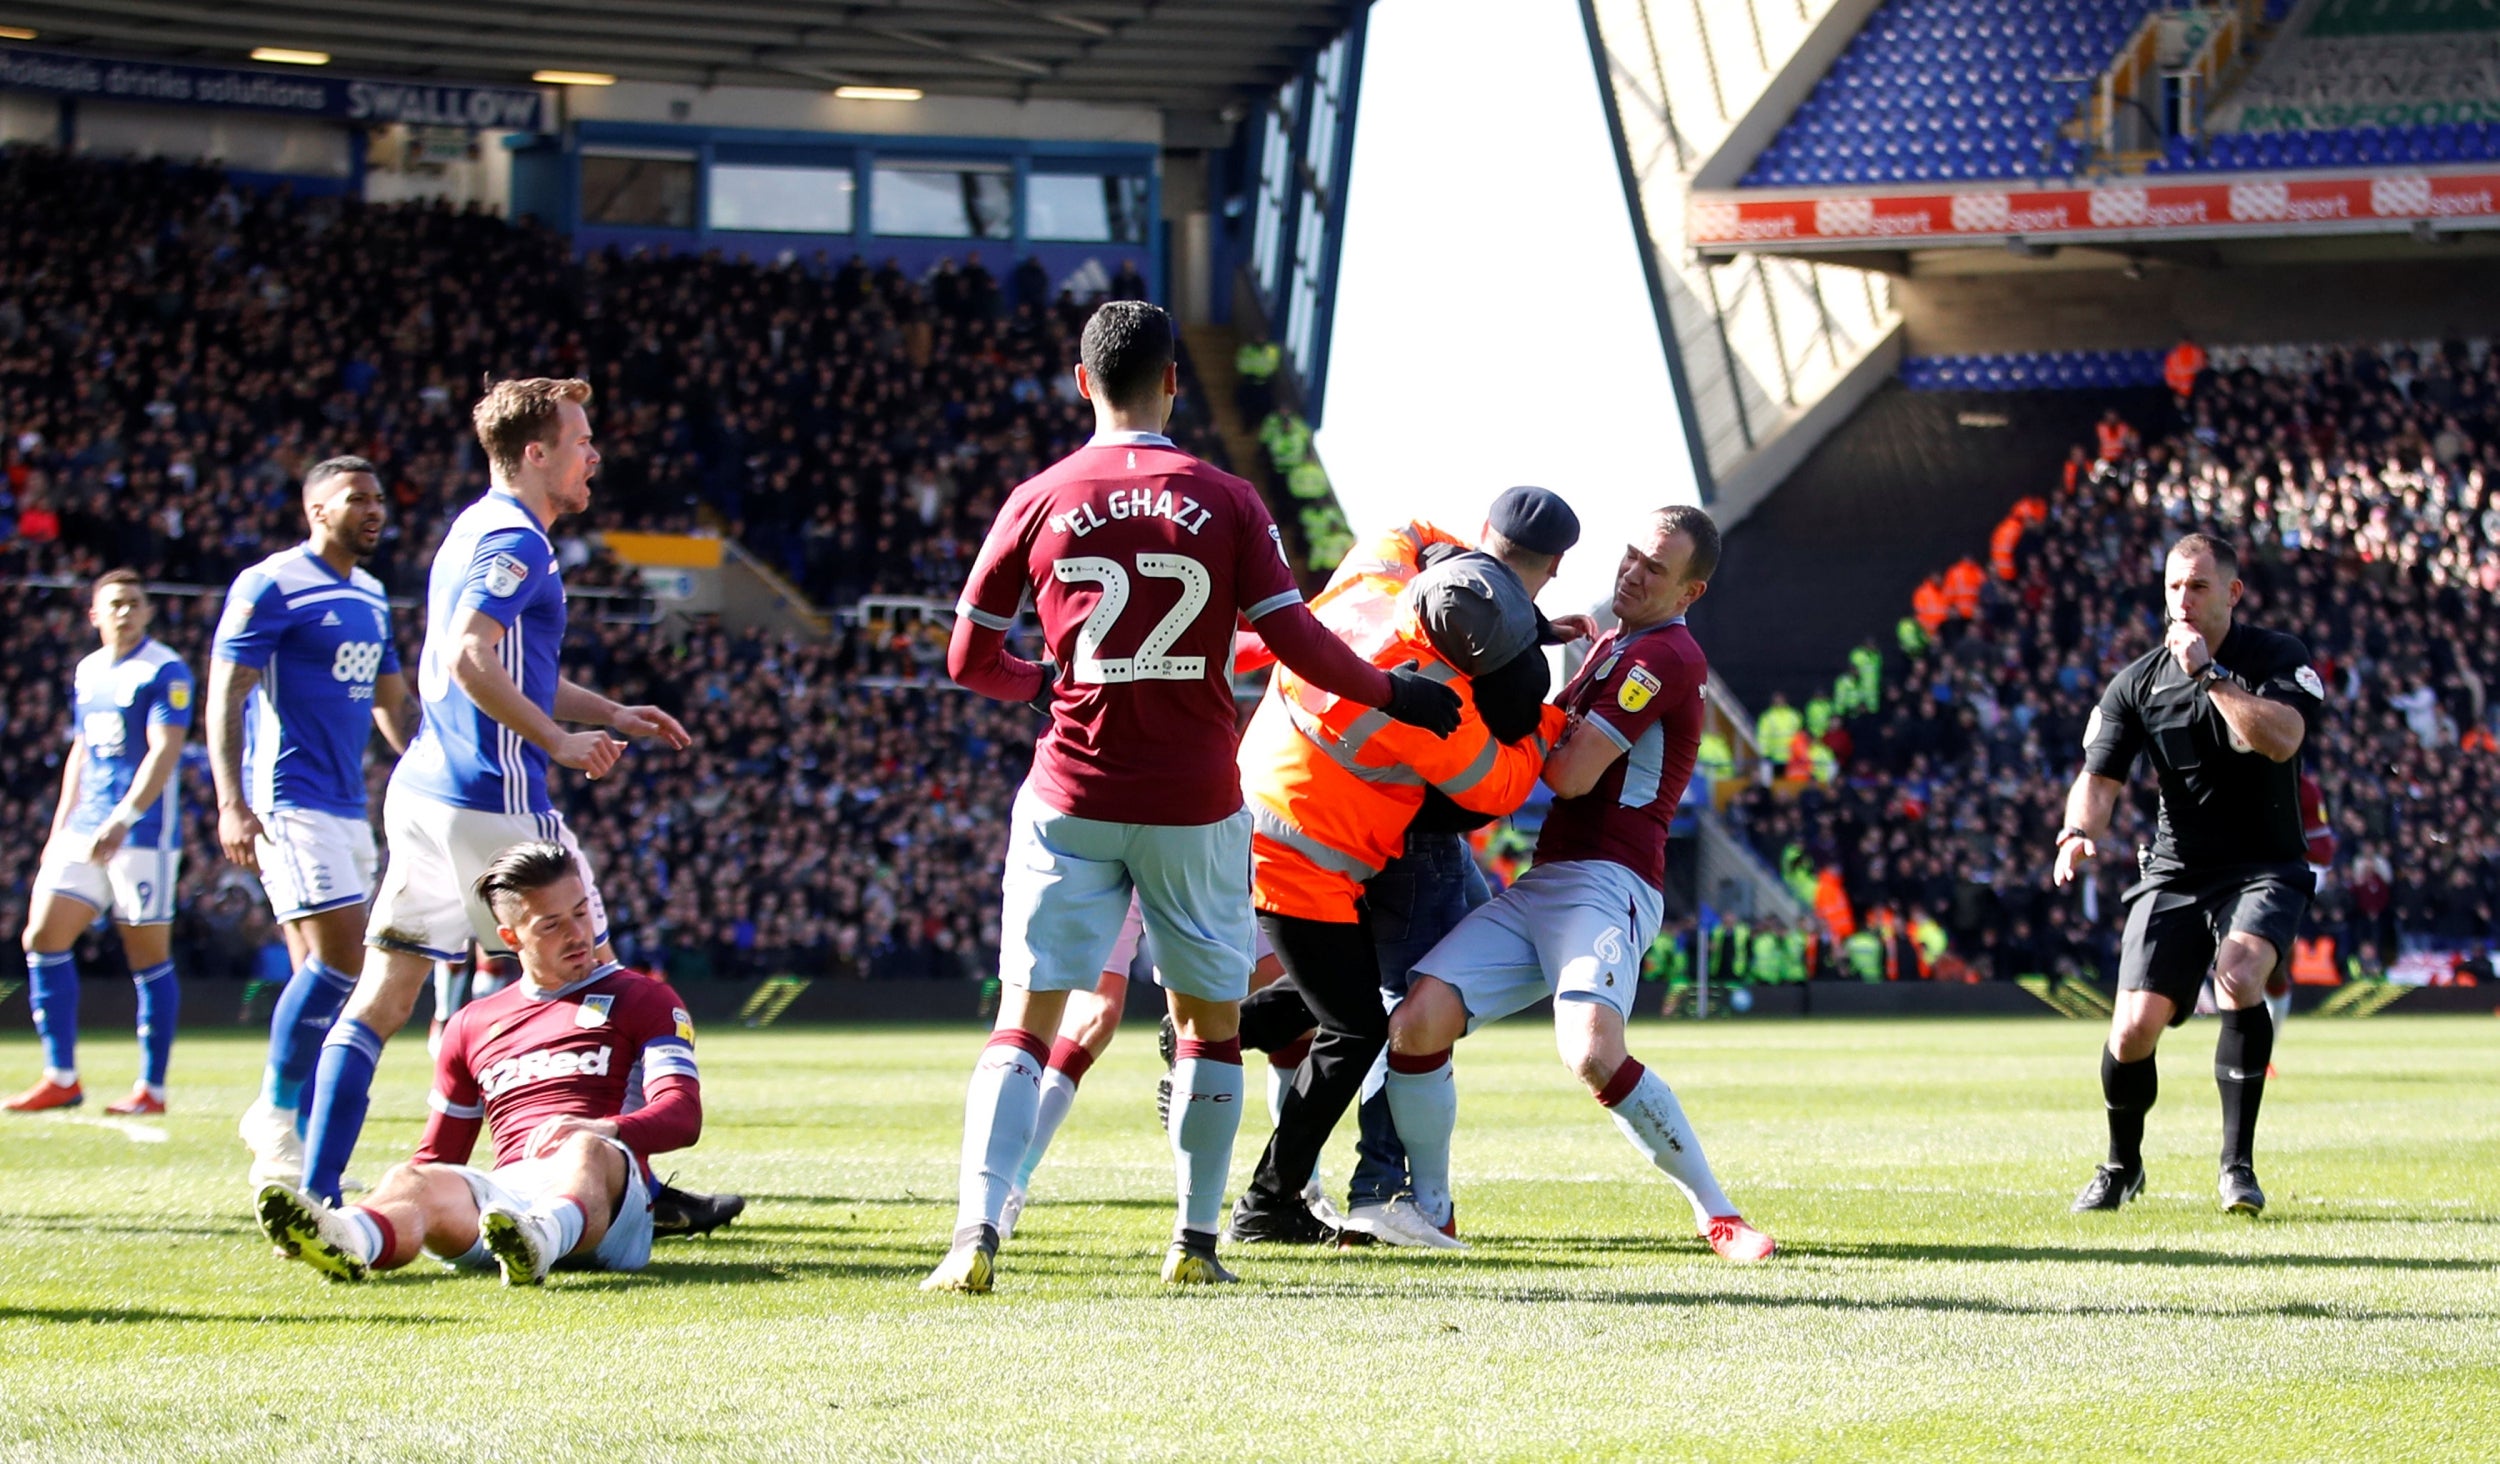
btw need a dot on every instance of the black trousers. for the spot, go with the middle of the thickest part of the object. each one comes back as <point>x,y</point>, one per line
<point>1336,971</point>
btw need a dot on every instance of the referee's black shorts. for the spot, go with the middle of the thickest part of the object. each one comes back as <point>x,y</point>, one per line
<point>2175,921</point>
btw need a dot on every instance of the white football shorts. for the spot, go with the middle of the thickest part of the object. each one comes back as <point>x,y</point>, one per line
<point>1575,931</point>
<point>135,886</point>
<point>524,1182</point>
<point>311,861</point>
<point>426,904</point>
<point>1069,880</point>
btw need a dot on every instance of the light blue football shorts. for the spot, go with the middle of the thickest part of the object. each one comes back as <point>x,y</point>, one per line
<point>1067,886</point>
<point>1575,931</point>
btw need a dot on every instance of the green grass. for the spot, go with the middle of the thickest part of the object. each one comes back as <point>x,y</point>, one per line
<point>1934,1299</point>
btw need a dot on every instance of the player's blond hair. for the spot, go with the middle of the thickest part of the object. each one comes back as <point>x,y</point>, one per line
<point>514,414</point>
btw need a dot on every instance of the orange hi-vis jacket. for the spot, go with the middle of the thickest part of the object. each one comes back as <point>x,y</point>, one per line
<point>1331,784</point>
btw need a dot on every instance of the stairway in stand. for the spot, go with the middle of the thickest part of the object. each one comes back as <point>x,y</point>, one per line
<point>1211,350</point>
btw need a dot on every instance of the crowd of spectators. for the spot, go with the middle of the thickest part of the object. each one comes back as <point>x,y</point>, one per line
<point>2363,487</point>
<point>175,349</point>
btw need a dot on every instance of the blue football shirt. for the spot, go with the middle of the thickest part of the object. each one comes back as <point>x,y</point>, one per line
<point>117,701</point>
<point>319,640</point>
<point>497,559</point>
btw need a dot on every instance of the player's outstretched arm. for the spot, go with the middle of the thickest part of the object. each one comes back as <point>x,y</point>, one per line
<point>1318,657</point>
<point>480,675</point>
<point>229,685</point>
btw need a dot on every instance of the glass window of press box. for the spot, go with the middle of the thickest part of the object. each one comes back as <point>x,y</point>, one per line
<point>1085,208</point>
<point>943,201</point>
<point>779,200</point>
<point>638,190</point>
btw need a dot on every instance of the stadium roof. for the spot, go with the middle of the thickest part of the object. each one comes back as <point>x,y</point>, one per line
<point>1190,55</point>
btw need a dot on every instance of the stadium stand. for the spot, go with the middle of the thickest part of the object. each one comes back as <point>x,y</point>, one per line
<point>1951,89</point>
<point>2359,484</point>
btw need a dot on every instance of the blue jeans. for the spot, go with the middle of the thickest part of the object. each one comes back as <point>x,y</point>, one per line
<point>1419,898</point>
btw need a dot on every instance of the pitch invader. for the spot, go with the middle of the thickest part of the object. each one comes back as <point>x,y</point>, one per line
<point>1574,927</point>
<point>474,781</point>
<point>302,673</point>
<point>579,1072</point>
<point>115,847</point>
<point>1138,558</point>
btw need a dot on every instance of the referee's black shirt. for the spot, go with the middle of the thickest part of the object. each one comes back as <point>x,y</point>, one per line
<point>2219,806</point>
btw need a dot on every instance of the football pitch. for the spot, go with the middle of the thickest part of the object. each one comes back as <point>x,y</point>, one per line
<point>1933,1299</point>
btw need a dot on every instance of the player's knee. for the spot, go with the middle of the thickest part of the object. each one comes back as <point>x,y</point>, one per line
<point>1422,1020</point>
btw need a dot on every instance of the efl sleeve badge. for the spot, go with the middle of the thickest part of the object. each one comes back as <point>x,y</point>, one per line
<point>1639,685</point>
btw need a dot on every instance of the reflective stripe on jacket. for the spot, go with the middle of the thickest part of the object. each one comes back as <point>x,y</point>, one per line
<point>1332,784</point>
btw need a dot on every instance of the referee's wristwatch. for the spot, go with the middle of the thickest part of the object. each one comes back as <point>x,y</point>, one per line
<point>2212,673</point>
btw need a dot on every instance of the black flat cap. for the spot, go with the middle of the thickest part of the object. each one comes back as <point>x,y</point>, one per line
<point>1535,519</point>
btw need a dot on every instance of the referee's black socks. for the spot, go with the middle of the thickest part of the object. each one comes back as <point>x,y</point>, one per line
<point>2128,1090</point>
<point>2241,1053</point>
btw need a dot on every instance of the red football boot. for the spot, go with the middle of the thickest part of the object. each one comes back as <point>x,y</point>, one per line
<point>140,1104</point>
<point>1737,1241</point>
<point>46,1094</point>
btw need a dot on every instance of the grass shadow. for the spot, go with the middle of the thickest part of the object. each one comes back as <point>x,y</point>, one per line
<point>143,1315</point>
<point>2270,1260</point>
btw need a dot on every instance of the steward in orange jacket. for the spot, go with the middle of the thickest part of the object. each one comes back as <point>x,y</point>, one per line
<point>1335,792</point>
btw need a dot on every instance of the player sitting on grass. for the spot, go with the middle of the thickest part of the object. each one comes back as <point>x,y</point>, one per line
<point>553,1065</point>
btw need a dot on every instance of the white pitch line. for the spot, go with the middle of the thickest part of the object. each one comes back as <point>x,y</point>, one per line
<point>131,1129</point>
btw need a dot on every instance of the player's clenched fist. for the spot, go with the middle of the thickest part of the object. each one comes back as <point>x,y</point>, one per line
<point>593,752</point>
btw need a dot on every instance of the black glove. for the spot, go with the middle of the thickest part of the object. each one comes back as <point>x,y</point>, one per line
<point>1419,701</point>
<point>1050,682</point>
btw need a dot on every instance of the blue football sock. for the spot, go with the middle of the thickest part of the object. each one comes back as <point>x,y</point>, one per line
<point>1423,1107</point>
<point>342,1087</point>
<point>160,1005</point>
<point>52,990</point>
<point>311,1002</point>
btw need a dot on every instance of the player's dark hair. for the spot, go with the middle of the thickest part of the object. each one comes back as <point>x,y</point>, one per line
<point>2225,556</point>
<point>1701,528</point>
<point>337,467</point>
<point>1126,349</point>
<point>112,577</point>
<point>521,869</point>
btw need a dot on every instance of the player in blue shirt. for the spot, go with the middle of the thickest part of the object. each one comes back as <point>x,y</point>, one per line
<point>474,781</point>
<point>303,671</point>
<point>115,848</point>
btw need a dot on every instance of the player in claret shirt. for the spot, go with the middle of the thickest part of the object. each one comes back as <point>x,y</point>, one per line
<point>579,1072</point>
<point>1576,924</point>
<point>1139,559</point>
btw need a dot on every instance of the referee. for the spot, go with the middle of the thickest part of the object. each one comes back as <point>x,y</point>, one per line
<point>2223,710</point>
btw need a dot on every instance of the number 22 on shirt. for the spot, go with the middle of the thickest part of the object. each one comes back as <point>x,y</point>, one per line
<point>1152,662</point>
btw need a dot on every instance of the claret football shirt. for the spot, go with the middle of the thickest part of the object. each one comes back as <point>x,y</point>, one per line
<point>1139,558</point>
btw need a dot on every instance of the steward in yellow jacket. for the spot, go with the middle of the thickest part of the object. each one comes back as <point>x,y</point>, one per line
<point>1334,793</point>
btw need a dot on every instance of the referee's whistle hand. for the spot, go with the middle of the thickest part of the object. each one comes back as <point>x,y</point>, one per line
<point>592,753</point>
<point>2071,857</point>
